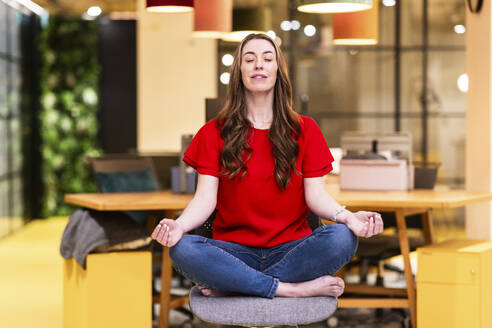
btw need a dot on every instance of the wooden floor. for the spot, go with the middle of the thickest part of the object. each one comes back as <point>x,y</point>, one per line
<point>31,276</point>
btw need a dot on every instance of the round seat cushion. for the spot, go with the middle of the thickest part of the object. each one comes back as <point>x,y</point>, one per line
<point>259,311</point>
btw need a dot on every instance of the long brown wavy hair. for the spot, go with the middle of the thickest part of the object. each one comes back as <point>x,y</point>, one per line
<point>234,124</point>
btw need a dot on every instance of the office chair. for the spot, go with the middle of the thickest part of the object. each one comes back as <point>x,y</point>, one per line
<point>253,311</point>
<point>126,173</point>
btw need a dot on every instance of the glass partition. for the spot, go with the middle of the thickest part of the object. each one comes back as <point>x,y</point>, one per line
<point>11,156</point>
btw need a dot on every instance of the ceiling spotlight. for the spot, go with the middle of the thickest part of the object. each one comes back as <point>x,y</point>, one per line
<point>227,59</point>
<point>389,3</point>
<point>463,82</point>
<point>285,26</point>
<point>309,30</point>
<point>271,34</point>
<point>224,78</point>
<point>278,41</point>
<point>94,11</point>
<point>460,29</point>
<point>295,25</point>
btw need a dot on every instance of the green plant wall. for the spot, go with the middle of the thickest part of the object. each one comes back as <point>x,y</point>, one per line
<point>69,100</point>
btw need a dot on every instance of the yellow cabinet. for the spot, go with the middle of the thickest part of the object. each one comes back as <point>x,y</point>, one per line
<point>114,291</point>
<point>454,285</point>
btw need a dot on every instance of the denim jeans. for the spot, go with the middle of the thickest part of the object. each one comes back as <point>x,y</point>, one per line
<point>232,267</point>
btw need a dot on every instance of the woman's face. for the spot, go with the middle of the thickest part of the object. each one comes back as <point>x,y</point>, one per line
<point>259,66</point>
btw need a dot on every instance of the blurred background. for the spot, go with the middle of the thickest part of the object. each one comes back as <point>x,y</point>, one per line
<point>90,78</point>
<point>68,88</point>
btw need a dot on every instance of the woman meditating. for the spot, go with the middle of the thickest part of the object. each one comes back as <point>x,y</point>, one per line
<point>261,166</point>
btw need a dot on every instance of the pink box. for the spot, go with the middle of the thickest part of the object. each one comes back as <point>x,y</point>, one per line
<point>362,174</point>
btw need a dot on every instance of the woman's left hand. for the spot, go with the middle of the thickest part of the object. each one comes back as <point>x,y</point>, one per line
<point>364,224</point>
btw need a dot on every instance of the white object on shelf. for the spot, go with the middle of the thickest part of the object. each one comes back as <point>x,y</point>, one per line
<point>361,174</point>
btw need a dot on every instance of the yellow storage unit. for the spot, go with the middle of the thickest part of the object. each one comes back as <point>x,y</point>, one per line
<point>454,285</point>
<point>114,291</point>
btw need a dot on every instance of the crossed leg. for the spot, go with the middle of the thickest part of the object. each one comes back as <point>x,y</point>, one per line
<point>304,271</point>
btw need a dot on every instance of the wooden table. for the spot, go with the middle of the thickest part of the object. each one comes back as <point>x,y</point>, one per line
<point>402,203</point>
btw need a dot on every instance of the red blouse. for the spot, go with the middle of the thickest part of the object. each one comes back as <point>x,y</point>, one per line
<point>254,211</point>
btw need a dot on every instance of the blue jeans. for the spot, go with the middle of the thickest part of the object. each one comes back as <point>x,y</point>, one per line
<point>232,267</point>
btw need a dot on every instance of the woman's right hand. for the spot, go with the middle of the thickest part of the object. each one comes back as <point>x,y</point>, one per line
<point>168,232</point>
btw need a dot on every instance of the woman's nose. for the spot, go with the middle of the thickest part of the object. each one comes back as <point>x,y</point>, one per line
<point>259,63</point>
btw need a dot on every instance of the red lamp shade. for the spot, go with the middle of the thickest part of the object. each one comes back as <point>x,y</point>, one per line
<point>213,18</point>
<point>170,6</point>
<point>356,28</point>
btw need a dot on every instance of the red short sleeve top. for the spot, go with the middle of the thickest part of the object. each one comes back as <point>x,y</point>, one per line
<point>254,211</point>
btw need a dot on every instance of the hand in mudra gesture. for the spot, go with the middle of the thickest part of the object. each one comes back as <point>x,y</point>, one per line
<point>364,224</point>
<point>167,232</point>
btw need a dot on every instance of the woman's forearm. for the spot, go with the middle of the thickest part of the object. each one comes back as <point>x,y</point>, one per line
<point>325,206</point>
<point>320,202</point>
<point>362,223</point>
<point>196,213</point>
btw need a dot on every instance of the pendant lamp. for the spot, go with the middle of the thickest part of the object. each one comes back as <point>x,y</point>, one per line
<point>333,6</point>
<point>249,20</point>
<point>213,18</point>
<point>356,28</point>
<point>170,6</point>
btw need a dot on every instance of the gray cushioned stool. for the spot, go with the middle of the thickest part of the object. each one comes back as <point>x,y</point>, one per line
<point>258,311</point>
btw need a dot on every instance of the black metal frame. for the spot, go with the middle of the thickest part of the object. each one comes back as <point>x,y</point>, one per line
<point>30,107</point>
<point>423,99</point>
<point>397,91</point>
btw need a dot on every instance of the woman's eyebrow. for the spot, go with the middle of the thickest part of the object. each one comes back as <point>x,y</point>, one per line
<point>252,53</point>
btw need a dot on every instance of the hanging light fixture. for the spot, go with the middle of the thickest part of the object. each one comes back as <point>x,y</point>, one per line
<point>249,20</point>
<point>333,6</point>
<point>213,18</point>
<point>356,28</point>
<point>170,6</point>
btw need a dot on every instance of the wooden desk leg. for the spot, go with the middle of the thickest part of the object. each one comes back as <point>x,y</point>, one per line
<point>405,251</point>
<point>166,276</point>
<point>427,227</point>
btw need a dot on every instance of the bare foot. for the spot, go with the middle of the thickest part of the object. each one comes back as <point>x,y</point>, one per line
<point>212,292</point>
<point>322,286</point>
